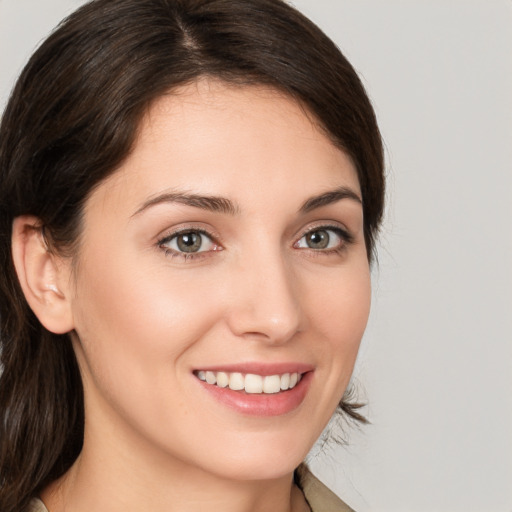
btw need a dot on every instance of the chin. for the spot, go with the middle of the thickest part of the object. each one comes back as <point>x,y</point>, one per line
<point>258,456</point>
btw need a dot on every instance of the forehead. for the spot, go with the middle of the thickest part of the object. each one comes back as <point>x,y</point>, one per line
<point>235,141</point>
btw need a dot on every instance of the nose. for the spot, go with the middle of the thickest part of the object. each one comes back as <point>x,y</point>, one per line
<point>264,300</point>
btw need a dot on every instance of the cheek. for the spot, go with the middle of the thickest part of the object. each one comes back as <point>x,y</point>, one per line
<point>340,315</point>
<point>134,318</point>
<point>135,330</point>
<point>346,297</point>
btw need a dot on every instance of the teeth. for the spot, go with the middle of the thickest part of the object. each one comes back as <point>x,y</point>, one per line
<point>251,383</point>
<point>222,379</point>
<point>211,378</point>
<point>272,384</point>
<point>236,381</point>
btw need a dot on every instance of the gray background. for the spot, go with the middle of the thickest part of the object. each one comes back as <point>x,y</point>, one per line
<point>436,361</point>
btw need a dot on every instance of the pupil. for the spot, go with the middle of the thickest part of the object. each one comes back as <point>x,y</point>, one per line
<point>318,240</point>
<point>189,242</point>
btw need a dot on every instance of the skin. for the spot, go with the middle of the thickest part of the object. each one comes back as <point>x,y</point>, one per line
<point>144,317</point>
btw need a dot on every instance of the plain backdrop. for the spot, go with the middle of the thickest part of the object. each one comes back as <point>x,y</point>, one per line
<point>436,361</point>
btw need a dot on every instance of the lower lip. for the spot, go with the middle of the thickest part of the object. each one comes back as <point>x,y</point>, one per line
<point>261,404</point>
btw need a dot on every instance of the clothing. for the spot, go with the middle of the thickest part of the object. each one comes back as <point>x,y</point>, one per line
<point>318,496</point>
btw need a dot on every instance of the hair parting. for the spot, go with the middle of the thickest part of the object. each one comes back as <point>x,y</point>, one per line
<point>73,118</point>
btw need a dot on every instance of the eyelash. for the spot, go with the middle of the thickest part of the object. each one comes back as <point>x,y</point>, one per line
<point>345,239</point>
<point>173,253</point>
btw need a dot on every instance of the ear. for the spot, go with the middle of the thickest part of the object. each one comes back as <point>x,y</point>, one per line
<point>44,277</point>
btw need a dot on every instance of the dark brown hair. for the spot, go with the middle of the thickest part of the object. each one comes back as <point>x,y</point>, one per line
<point>72,120</point>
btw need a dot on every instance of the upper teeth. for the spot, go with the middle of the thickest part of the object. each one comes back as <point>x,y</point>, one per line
<point>250,382</point>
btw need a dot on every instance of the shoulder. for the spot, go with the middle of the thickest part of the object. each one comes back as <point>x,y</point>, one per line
<point>36,505</point>
<point>318,496</point>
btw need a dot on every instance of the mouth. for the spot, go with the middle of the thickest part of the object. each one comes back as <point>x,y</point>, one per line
<point>258,390</point>
<point>250,383</point>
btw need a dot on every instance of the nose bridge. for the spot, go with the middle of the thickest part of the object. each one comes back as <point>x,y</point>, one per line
<point>266,302</point>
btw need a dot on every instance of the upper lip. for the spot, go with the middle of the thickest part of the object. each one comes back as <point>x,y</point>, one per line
<point>259,368</point>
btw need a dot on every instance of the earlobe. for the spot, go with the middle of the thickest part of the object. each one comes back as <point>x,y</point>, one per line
<point>43,276</point>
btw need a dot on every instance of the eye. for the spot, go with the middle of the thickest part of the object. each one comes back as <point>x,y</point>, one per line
<point>324,238</point>
<point>189,242</point>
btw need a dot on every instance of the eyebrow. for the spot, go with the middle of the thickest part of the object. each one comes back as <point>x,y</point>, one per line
<point>210,203</point>
<point>223,205</point>
<point>329,197</point>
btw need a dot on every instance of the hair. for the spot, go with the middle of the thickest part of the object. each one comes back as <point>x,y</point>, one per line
<point>72,119</point>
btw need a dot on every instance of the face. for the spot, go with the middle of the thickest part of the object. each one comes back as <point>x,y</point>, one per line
<point>223,262</point>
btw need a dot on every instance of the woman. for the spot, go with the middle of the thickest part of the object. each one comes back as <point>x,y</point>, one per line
<point>190,192</point>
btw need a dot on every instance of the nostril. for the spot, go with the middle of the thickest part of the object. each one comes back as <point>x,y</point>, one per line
<point>264,304</point>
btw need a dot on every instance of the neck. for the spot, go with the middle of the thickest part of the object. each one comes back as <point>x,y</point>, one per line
<point>109,476</point>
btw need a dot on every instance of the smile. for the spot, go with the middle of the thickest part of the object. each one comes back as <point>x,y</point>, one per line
<point>250,383</point>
